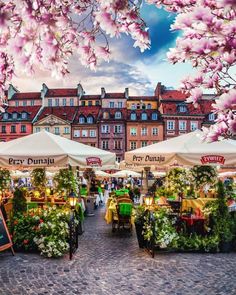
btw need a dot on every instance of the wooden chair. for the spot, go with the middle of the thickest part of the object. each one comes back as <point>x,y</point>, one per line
<point>124,216</point>
<point>175,207</point>
<point>124,200</point>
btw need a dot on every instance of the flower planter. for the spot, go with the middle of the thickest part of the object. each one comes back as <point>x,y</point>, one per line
<point>139,228</point>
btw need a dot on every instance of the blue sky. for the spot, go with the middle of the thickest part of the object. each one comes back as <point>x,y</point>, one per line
<point>128,67</point>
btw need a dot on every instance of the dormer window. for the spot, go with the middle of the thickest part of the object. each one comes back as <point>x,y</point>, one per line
<point>154,116</point>
<point>143,116</point>
<point>5,116</point>
<point>133,116</point>
<point>24,115</point>
<point>14,116</point>
<point>81,119</point>
<point>106,115</point>
<point>211,117</point>
<point>90,119</point>
<point>118,115</point>
<point>182,108</point>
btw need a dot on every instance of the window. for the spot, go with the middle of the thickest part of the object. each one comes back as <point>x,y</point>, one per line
<point>105,144</point>
<point>93,144</point>
<point>149,106</point>
<point>133,131</point>
<point>71,102</point>
<point>47,129</point>
<point>5,116</point>
<point>37,129</point>
<point>66,130</point>
<point>49,102</point>
<point>84,133</point>
<point>83,103</point>
<point>154,131</point>
<point>144,131</point>
<point>17,103</point>
<point>154,116</point>
<point>182,125</point>
<point>118,115</point>
<point>133,106</point>
<point>105,129</point>
<point>64,102</point>
<point>81,119</point>
<point>170,125</point>
<point>106,115</point>
<point>182,108</point>
<point>24,103</point>
<point>118,159</point>
<point>120,104</point>
<point>14,116</point>
<point>57,102</point>
<point>90,119</point>
<point>57,130</point>
<point>193,125</point>
<point>111,104</point>
<point>117,145</point>
<point>90,103</point>
<point>211,117</point>
<point>143,116</point>
<point>97,103</point>
<point>143,106</point>
<point>144,143</point>
<point>133,145</point>
<point>13,129</point>
<point>76,133</point>
<point>117,128</point>
<point>23,129</point>
<point>133,116</point>
<point>32,103</point>
<point>92,133</point>
<point>3,129</point>
<point>24,115</point>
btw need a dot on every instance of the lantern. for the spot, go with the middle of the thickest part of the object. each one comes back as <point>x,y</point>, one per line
<point>72,200</point>
<point>148,200</point>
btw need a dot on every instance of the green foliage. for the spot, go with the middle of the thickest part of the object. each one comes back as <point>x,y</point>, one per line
<point>177,180</point>
<point>5,179</point>
<point>198,243</point>
<point>38,178</point>
<point>19,202</point>
<point>65,181</point>
<point>202,175</point>
<point>139,214</point>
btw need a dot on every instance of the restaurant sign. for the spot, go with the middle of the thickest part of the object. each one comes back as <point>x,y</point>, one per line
<point>148,158</point>
<point>93,161</point>
<point>31,161</point>
<point>210,159</point>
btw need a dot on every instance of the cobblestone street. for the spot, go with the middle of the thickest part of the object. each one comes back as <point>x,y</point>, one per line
<point>111,264</point>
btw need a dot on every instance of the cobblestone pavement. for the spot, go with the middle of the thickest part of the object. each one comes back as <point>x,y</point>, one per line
<point>111,264</point>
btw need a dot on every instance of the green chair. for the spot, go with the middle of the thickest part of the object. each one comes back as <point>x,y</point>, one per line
<point>124,213</point>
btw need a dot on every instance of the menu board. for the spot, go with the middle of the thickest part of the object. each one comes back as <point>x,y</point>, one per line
<point>5,239</point>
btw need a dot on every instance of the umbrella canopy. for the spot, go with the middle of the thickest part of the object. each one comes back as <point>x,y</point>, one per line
<point>158,173</point>
<point>100,173</point>
<point>126,173</point>
<point>44,149</point>
<point>187,149</point>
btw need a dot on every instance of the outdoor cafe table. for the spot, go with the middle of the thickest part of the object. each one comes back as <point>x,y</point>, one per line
<point>110,210</point>
<point>195,203</point>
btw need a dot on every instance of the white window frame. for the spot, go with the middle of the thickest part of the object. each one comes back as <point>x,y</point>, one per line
<point>170,125</point>
<point>92,133</point>
<point>156,116</point>
<point>118,115</point>
<point>133,131</point>
<point>155,131</point>
<point>133,145</point>
<point>182,125</point>
<point>211,117</point>
<point>57,102</point>
<point>64,102</point>
<point>105,129</point>
<point>49,102</point>
<point>81,119</point>
<point>193,123</point>
<point>90,120</point>
<point>117,129</point>
<point>72,102</point>
<point>76,133</point>
<point>37,129</point>
<point>84,133</point>
<point>111,104</point>
<point>24,115</point>
<point>182,108</point>
<point>14,116</point>
<point>146,117</point>
<point>120,104</point>
<point>144,131</point>
<point>133,106</point>
<point>133,116</point>
<point>66,130</point>
<point>47,129</point>
<point>57,129</point>
<point>144,143</point>
<point>105,144</point>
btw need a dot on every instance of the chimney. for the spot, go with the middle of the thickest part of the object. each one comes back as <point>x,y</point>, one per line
<point>80,91</point>
<point>11,91</point>
<point>103,92</point>
<point>158,90</point>
<point>127,93</point>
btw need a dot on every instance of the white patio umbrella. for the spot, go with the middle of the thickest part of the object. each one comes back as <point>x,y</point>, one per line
<point>20,174</point>
<point>158,173</point>
<point>126,173</point>
<point>227,173</point>
<point>102,174</point>
<point>187,149</point>
<point>44,149</point>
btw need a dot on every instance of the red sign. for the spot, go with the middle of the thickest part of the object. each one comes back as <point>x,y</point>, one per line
<point>213,159</point>
<point>94,161</point>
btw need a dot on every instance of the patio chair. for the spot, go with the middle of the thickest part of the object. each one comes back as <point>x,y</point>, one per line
<point>175,207</point>
<point>124,213</point>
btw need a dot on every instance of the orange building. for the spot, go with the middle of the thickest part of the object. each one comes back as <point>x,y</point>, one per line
<point>143,125</point>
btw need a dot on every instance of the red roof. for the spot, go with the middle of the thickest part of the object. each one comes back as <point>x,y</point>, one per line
<point>112,112</point>
<point>139,112</point>
<point>206,106</point>
<point>27,95</point>
<point>66,113</point>
<point>31,110</point>
<point>91,97</point>
<point>173,95</point>
<point>86,111</point>
<point>151,98</point>
<point>62,92</point>
<point>115,95</point>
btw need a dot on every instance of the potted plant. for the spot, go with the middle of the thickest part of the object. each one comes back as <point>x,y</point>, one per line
<point>139,220</point>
